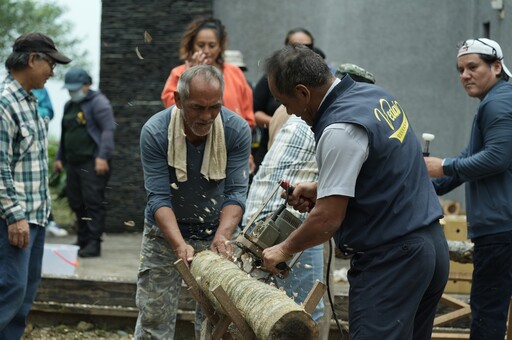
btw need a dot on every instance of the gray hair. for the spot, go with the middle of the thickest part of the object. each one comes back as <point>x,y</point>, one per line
<point>17,61</point>
<point>296,64</point>
<point>208,72</point>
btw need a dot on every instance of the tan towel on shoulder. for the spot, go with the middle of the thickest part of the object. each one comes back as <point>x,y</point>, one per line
<point>215,154</point>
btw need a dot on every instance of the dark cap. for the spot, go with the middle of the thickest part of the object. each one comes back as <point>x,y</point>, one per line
<point>75,78</point>
<point>38,42</point>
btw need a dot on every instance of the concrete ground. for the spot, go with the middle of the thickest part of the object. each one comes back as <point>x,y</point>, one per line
<point>119,256</point>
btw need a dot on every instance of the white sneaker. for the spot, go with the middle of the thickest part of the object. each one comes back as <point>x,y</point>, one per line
<point>54,229</point>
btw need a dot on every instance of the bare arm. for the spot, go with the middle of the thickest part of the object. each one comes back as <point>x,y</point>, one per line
<point>166,221</point>
<point>262,119</point>
<point>320,225</point>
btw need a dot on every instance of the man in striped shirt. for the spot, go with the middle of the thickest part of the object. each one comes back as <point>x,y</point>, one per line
<point>24,195</point>
<point>291,158</point>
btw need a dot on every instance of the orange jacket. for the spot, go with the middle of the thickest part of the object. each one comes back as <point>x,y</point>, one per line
<point>237,92</point>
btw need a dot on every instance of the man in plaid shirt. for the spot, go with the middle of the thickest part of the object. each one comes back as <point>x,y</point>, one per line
<point>24,195</point>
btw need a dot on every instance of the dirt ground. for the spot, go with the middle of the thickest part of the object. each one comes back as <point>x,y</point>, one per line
<point>82,330</point>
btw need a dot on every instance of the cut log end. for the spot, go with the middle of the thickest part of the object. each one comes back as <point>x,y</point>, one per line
<point>294,325</point>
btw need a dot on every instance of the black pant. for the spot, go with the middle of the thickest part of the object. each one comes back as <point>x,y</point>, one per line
<point>395,288</point>
<point>86,196</point>
<point>491,288</point>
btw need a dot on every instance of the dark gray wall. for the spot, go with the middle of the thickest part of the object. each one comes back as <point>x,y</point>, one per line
<point>409,46</point>
<point>133,84</point>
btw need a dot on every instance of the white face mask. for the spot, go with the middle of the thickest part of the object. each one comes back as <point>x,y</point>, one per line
<point>77,96</point>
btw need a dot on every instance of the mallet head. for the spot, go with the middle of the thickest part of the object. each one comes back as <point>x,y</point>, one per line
<point>427,137</point>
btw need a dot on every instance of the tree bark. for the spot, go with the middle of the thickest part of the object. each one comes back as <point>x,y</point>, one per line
<point>269,312</point>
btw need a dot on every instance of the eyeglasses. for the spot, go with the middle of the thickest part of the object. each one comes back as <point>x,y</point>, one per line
<point>48,60</point>
<point>471,42</point>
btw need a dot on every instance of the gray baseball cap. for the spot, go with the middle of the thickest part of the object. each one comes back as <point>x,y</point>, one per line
<point>75,78</point>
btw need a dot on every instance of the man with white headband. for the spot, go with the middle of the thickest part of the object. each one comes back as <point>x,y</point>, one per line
<point>486,168</point>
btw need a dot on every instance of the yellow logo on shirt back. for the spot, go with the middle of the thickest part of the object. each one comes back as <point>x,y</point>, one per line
<point>390,112</point>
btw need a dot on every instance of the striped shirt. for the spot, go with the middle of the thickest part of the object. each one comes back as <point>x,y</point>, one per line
<point>24,190</point>
<point>291,158</point>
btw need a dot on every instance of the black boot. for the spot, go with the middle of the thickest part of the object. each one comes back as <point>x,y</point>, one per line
<point>91,249</point>
<point>81,244</point>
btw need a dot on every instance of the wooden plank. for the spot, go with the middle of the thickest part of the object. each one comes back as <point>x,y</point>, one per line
<point>81,309</point>
<point>449,336</point>
<point>233,313</point>
<point>52,307</point>
<point>85,309</point>
<point>315,295</point>
<point>108,292</point>
<point>198,294</point>
<point>454,302</point>
<point>452,316</point>
<point>460,276</point>
<point>220,329</point>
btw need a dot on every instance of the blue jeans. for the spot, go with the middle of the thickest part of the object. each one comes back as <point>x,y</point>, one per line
<point>20,275</point>
<point>308,269</point>
<point>491,288</point>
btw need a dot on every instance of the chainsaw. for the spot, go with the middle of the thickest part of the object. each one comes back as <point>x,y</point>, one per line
<point>260,234</point>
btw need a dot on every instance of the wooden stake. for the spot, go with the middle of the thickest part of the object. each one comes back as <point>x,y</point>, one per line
<point>315,295</point>
<point>221,328</point>
<point>196,291</point>
<point>233,313</point>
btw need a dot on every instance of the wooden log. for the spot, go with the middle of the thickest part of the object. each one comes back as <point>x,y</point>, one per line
<point>269,312</point>
<point>460,251</point>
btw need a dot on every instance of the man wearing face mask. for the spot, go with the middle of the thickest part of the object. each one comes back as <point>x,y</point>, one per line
<point>86,148</point>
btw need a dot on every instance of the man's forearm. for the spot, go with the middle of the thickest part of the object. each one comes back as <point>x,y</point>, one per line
<point>230,217</point>
<point>307,236</point>
<point>166,221</point>
<point>320,225</point>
